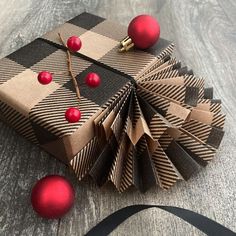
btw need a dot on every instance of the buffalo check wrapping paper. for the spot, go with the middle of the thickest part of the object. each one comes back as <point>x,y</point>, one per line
<point>150,122</point>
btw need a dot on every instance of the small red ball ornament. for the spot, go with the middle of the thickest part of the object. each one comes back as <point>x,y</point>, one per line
<point>72,115</point>
<point>44,77</point>
<point>92,80</point>
<point>144,30</point>
<point>52,196</point>
<point>74,43</point>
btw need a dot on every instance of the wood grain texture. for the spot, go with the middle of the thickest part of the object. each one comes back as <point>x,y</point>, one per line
<point>204,34</point>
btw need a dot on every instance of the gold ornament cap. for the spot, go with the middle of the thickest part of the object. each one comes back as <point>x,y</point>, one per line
<point>126,44</point>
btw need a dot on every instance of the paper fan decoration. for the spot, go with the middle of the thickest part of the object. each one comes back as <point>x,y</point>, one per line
<point>159,129</point>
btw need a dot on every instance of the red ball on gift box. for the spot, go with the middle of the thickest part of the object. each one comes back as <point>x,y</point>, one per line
<point>44,77</point>
<point>74,43</point>
<point>144,30</point>
<point>52,196</point>
<point>72,115</point>
<point>92,80</point>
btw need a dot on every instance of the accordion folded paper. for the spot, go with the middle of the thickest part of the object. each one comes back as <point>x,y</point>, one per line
<point>151,121</point>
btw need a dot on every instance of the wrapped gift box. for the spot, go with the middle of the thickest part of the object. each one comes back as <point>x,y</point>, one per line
<point>149,122</point>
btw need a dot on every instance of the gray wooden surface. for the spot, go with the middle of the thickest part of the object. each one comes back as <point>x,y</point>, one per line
<point>205,38</point>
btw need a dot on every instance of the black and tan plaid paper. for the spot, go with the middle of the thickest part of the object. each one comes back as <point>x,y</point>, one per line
<point>150,122</point>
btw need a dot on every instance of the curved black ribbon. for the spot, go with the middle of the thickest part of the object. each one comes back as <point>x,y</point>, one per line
<point>201,222</point>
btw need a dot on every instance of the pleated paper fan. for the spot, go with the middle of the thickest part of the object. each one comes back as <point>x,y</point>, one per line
<point>158,130</point>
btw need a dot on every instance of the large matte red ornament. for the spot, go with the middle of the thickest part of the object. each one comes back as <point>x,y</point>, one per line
<point>52,196</point>
<point>144,30</point>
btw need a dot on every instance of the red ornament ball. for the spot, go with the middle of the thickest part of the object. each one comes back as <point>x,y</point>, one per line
<point>92,80</point>
<point>72,115</point>
<point>52,196</point>
<point>74,43</point>
<point>44,77</point>
<point>144,30</point>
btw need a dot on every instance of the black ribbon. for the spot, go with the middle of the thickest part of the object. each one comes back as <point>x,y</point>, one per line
<point>206,225</point>
<point>78,54</point>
